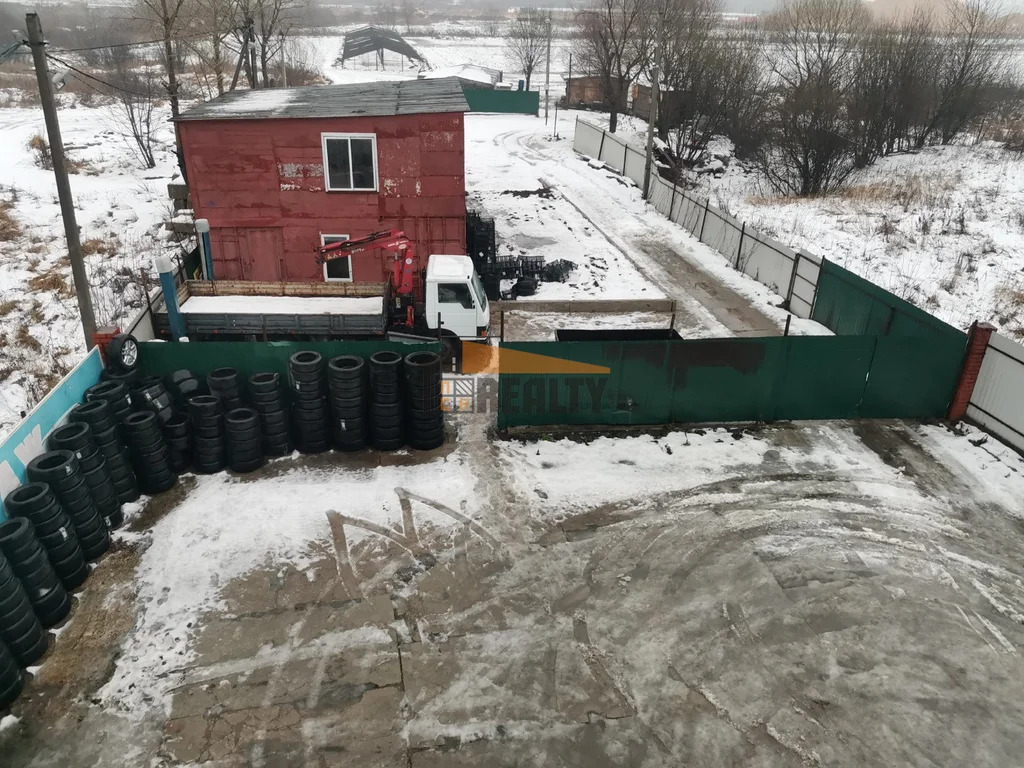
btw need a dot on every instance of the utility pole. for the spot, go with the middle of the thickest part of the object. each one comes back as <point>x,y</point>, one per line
<point>60,172</point>
<point>284,65</point>
<point>547,73</point>
<point>252,56</point>
<point>652,114</point>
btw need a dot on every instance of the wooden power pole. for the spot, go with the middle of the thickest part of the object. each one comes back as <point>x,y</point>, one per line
<point>60,172</point>
<point>652,113</point>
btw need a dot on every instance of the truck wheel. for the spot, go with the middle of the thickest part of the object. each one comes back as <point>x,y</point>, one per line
<point>451,352</point>
<point>123,353</point>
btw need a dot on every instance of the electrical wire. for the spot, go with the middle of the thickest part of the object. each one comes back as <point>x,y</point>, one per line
<point>93,77</point>
<point>132,45</point>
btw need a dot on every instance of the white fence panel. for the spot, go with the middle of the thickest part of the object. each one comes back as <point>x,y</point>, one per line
<point>690,214</point>
<point>661,196</point>
<point>587,139</point>
<point>635,162</point>
<point>768,261</point>
<point>998,400</point>
<point>805,285</point>
<point>613,154</point>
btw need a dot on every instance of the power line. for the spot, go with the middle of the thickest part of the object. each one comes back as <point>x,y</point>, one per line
<point>98,80</point>
<point>132,45</point>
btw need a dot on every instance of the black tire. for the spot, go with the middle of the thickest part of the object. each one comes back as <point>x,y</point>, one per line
<point>62,544</point>
<point>31,646</point>
<point>277,448</point>
<point>53,468</point>
<point>223,380</point>
<point>126,377</point>
<point>264,383</point>
<point>53,606</point>
<point>95,546</point>
<point>72,571</point>
<point>75,436</point>
<point>93,462</point>
<point>28,499</point>
<point>18,542</point>
<point>306,362</point>
<point>123,353</point>
<point>49,524</point>
<point>141,423</point>
<point>177,377</point>
<point>273,419</point>
<point>188,389</point>
<point>208,467</point>
<point>241,419</point>
<point>204,406</point>
<point>346,368</point>
<point>249,465</point>
<point>95,413</point>
<point>384,410</point>
<point>248,445</point>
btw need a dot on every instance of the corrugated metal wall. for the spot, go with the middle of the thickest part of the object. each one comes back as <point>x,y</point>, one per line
<point>519,102</point>
<point>735,379</point>
<point>998,400</point>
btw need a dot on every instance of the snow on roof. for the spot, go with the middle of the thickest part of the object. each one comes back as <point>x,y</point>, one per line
<point>470,72</point>
<point>440,267</point>
<point>401,97</point>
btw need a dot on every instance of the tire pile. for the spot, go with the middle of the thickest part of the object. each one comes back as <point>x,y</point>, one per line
<point>209,448</point>
<point>424,417</point>
<point>309,402</point>
<point>348,384</point>
<point>245,443</point>
<point>387,425</point>
<point>268,401</point>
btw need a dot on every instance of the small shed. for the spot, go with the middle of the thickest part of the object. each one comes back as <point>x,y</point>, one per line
<point>281,171</point>
<point>470,76</point>
<point>588,91</point>
<point>674,106</point>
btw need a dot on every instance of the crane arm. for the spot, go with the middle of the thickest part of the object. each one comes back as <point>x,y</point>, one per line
<point>402,277</point>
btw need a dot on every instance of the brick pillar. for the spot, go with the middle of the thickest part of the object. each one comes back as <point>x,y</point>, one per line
<point>102,338</point>
<point>977,343</point>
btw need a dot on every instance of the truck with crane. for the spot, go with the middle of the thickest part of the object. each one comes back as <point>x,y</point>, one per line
<point>412,298</point>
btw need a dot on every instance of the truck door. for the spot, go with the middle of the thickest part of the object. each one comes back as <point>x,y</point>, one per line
<point>265,249</point>
<point>457,309</point>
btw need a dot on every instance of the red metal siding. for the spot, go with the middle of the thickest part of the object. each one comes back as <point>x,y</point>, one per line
<point>267,175</point>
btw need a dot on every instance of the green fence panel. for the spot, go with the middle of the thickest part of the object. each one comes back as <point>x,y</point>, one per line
<point>912,378</point>
<point>249,357</point>
<point>736,379</point>
<point>519,102</point>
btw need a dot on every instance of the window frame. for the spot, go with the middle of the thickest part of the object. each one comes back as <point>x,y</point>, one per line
<point>325,137</point>
<point>323,241</point>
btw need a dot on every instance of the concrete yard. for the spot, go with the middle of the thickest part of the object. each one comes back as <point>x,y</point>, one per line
<point>834,595</point>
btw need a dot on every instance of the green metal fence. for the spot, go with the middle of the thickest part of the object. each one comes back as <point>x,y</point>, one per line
<point>520,102</point>
<point>736,379</point>
<point>249,357</point>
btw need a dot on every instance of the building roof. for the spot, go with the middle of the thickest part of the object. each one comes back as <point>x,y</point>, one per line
<point>399,97</point>
<point>470,72</point>
<point>370,39</point>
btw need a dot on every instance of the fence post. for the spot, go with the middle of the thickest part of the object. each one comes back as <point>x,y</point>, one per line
<point>707,205</point>
<point>625,156</point>
<point>739,251</point>
<point>977,344</point>
<point>792,281</point>
<point>600,150</point>
<point>672,204</point>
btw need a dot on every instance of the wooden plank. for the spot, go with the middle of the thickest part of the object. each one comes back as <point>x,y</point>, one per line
<point>247,288</point>
<point>605,306</point>
<point>177,191</point>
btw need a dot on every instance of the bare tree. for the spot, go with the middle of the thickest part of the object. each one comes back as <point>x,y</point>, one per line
<point>614,44</point>
<point>211,22</point>
<point>526,44</point>
<point>136,92</point>
<point>811,56</point>
<point>165,17</point>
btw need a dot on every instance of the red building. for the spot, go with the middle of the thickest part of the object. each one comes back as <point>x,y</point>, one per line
<point>277,172</point>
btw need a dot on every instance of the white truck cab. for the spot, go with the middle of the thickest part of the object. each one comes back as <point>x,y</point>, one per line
<point>455,298</point>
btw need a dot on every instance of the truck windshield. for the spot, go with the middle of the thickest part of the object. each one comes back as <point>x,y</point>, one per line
<point>478,289</point>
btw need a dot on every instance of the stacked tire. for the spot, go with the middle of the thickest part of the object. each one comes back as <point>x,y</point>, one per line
<point>178,432</point>
<point>184,385</point>
<point>36,503</point>
<point>245,443</point>
<point>208,445</point>
<point>77,438</point>
<point>267,400</point>
<point>387,420</point>
<point>108,440</point>
<point>11,680</point>
<point>115,395</point>
<point>225,385</point>
<point>27,557</point>
<point>20,629</point>
<point>150,394</point>
<point>148,449</point>
<point>424,417</point>
<point>60,471</point>
<point>348,384</point>
<point>309,405</point>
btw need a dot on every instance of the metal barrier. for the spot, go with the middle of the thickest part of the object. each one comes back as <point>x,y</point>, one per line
<point>25,442</point>
<point>516,102</point>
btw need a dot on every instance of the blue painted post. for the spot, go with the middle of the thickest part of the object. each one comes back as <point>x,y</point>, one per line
<point>170,290</point>
<point>203,230</point>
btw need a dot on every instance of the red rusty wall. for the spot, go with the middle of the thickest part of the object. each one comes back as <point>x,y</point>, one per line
<point>246,174</point>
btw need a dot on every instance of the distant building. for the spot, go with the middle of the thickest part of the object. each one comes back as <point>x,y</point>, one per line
<point>278,172</point>
<point>470,76</point>
<point>588,91</point>
<point>674,106</point>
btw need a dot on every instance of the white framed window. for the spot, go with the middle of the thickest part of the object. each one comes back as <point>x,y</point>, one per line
<point>337,270</point>
<point>350,162</point>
